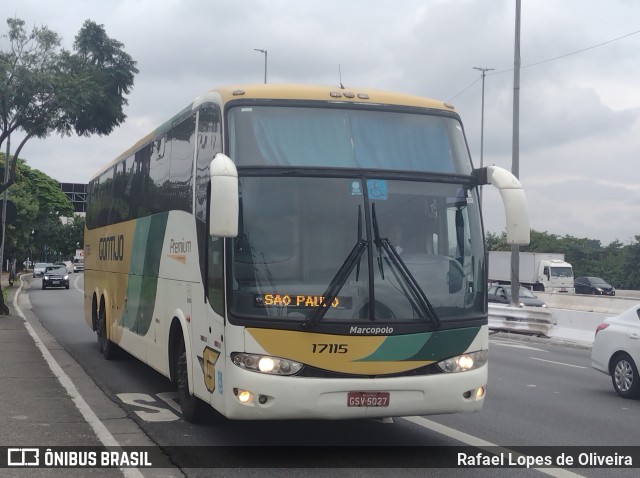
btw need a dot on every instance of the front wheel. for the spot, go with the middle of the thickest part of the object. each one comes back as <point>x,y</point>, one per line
<point>624,375</point>
<point>189,404</point>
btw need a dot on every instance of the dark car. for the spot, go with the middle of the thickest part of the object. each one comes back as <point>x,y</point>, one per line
<point>55,276</point>
<point>501,294</point>
<point>593,286</point>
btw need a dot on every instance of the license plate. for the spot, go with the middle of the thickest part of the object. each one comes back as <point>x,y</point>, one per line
<point>55,282</point>
<point>368,399</point>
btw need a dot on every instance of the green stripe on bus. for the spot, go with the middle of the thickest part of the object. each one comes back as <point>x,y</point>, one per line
<point>142,285</point>
<point>432,346</point>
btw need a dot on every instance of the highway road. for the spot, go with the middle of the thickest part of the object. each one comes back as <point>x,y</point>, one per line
<point>539,394</point>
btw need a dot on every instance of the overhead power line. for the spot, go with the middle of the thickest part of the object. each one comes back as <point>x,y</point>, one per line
<point>549,60</point>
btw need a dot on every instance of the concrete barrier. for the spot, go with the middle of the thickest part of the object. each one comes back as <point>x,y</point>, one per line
<point>568,325</point>
<point>588,303</point>
<point>630,294</point>
<point>576,325</point>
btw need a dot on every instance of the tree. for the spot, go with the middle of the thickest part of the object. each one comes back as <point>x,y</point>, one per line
<point>616,263</point>
<point>44,89</point>
<point>630,271</point>
<point>40,203</point>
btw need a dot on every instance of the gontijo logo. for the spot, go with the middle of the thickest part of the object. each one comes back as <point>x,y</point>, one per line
<point>111,248</point>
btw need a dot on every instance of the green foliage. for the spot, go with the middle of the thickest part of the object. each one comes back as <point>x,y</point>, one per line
<point>630,269</point>
<point>38,232</point>
<point>44,89</point>
<point>618,264</point>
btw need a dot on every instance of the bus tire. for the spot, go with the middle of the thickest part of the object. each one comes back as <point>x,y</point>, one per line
<point>189,404</point>
<point>105,345</point>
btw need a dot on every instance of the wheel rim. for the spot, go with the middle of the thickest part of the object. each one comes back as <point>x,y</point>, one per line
<point>623,375</point>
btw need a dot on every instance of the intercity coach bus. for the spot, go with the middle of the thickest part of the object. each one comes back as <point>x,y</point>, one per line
<point>285,252</point>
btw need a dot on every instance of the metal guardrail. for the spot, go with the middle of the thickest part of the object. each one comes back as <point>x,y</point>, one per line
<point>526,320</point>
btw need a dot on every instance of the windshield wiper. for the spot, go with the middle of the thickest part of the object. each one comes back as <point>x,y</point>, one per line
<point>338,281</point>
<point>420,303</point>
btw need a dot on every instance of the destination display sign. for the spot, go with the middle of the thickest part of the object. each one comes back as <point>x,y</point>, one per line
<point>300,301</point>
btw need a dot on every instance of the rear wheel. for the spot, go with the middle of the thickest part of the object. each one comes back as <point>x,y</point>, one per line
<point>189,404</point>
<point>105,345</point>
<point>624,375</point>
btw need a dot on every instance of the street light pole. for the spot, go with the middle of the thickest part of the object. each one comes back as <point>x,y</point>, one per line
<point>484,73</point>
<point>515,160</point>
<point>265,62</point>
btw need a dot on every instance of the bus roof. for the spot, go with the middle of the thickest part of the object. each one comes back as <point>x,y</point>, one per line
<point>326,93</point>
<point>331,94</point>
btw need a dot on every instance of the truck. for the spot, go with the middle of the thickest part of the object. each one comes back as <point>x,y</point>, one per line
<point>539,271</point>
<point>78,261</point>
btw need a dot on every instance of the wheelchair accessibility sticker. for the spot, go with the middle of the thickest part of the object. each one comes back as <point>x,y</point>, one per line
<point>376,188</point>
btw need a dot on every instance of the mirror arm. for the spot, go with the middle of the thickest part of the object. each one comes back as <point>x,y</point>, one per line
<point>514,199</point>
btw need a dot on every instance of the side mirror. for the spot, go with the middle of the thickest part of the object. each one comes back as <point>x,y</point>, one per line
<point>223,198</point>
<point>515,202</point>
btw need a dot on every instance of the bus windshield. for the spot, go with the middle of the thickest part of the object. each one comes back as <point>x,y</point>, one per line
<point>346,138</point>
<point>297,232</point>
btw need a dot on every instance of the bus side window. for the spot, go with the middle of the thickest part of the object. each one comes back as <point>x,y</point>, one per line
<point>208,144</point>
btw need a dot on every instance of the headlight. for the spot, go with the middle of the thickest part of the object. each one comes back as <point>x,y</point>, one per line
<point>66,277</point>
<point>464,362</point>
<point>46,277</point>
<point>266,364</point>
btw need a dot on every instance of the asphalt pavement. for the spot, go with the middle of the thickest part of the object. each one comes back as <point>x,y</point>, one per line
<point>48,401</point>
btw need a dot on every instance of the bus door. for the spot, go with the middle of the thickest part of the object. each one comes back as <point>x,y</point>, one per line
<point>208,327</point>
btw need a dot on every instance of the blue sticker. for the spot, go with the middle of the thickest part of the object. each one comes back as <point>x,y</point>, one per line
<point>377,189</point>
<point>219,382</point>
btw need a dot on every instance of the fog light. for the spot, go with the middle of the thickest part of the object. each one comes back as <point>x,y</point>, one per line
<point>244,396</point>
<point>262,399</point>
<point>480,392</point>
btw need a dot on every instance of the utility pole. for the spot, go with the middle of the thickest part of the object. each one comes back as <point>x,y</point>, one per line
<point>264,52</point>
<point>484,73</point>
<point>515,164</point>
<point>4,201</point>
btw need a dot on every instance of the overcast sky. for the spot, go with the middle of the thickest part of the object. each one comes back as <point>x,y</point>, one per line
<point>579,114</point>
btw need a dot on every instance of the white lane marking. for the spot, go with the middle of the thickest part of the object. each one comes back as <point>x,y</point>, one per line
<point>484,444</point>
<point>171,399</point>
<point>557,363</point>
<point>515,345</point>
<point>75,285</point>
<point>83,407</point>
<point>142,400</point>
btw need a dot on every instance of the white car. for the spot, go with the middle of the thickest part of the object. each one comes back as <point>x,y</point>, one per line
<point>39,268</point>
<point>616,351</point>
